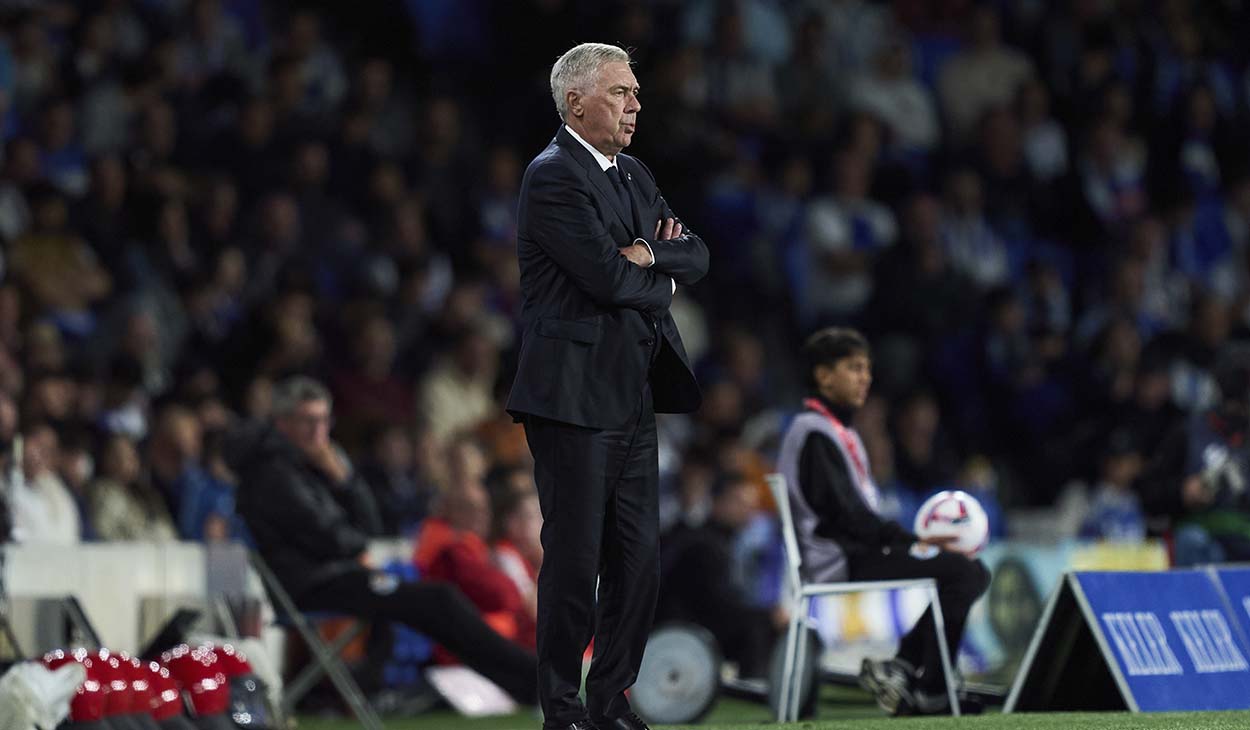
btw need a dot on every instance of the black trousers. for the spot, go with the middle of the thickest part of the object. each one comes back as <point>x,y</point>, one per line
<point>599,494</point>
<point>960,582</point>
<point>438,610</point>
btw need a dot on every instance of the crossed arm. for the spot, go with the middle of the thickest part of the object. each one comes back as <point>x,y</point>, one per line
<point>562,220</point>
<point>672,250</point>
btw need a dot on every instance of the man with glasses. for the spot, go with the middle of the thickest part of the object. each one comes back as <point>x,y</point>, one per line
<point>311,517</point>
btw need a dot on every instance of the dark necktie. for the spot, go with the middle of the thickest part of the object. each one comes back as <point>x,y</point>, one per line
<point>622,192</point>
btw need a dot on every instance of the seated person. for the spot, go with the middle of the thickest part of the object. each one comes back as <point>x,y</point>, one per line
<point>124,506</point>
<point>697,582</point>
<point>451,546</point>
<point>843,537</point>
<point>1196,478</point>
<point>311,518</point>
<point>518,551</point>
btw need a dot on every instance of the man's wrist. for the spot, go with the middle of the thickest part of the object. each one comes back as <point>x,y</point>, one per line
<point>643,242</point>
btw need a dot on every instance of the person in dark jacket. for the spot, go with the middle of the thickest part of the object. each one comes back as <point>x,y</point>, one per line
<point>1197,477</point>
<point>698,582</point>
<point>843,536</point>
<point>311,517</point>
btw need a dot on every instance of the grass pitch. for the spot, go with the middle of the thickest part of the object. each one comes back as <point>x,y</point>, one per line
<point>848,710</point>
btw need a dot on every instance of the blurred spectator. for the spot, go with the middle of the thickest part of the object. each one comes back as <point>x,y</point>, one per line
<point>203,506</point>
<point>1115,511</point>
<point>805,82</point>
<point>701,581</point>
<point>367,389</point>
<point>452,546</point>
<point>1107,187</point>
<point>388,113</point>
<point>1045,141</point>
<point>311,517</point>
<point>1196,479</point>
<point>57,267</point>
<point>63,162</point>
<point>847,231</point>
<point>123,506</point>
<point>919,292</point>
<point>1197,350</point>
<point>891,94</point>
<point>211,44</point>
<point>922,459</point>
<point>44,510</point>
<point>517,548</point>
<point>320,71</point>
<point>740,85</point>
<point>984,75</point>
<point>400,490</point>
<point>1122,295</point>
<point>972,246</point>
<point>458,392</point>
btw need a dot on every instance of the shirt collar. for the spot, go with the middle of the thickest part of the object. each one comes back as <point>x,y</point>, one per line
<point>604,162</point>
<point>845,414</point>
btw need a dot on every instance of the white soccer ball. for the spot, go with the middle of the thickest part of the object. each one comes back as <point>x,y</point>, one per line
<point>954,513</point>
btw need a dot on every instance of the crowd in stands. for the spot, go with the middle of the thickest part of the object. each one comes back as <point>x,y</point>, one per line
<point>1039,213</point>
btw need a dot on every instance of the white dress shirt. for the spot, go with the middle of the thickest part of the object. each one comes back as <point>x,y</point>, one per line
<point>604,164</point>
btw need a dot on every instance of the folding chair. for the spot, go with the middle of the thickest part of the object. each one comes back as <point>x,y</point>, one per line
<point>326,657</point>
<point>803,593</point>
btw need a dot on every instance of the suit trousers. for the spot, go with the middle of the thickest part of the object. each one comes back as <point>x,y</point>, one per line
<point>960,582</point>
<point>598,491</point>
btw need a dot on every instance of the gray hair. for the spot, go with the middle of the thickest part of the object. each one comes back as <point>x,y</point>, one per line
<point>577,70</point>
<point>297,389</point>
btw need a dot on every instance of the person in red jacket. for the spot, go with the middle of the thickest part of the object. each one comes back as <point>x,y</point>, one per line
<point>451,546</point>
<point>518,552</point>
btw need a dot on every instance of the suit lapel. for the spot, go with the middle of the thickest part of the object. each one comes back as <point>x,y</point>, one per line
<point>598,178</point>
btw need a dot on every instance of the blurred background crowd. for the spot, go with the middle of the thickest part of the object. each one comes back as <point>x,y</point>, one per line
<point>1038,212</point>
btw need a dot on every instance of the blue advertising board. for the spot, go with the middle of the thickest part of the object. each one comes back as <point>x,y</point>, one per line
<point>1169,639</point>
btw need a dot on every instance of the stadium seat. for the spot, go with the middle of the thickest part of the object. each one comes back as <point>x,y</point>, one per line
<point>802,594</point>
<point>326,657</point>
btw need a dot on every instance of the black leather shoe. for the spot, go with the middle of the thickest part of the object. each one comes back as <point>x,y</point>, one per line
<point>628,721</point>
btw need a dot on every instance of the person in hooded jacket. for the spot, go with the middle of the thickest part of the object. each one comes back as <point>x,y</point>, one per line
<point>311,517</point>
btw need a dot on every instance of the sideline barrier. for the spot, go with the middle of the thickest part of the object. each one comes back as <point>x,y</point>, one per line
<point>129,589</point>
<point>1144,642</point>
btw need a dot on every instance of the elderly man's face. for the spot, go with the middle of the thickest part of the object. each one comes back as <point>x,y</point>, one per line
<point>607,113</point>
<point>308,426</point>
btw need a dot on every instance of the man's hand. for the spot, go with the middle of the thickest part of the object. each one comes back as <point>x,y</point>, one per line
<point>328,461</point>
<point>943,542</point>
<point>638,254</point>
<point>667,229</point>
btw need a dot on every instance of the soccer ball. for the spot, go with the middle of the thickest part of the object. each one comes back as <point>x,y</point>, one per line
<point>954,514</point>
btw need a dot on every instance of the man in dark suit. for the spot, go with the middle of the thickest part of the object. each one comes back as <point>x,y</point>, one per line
<point>601,255</point>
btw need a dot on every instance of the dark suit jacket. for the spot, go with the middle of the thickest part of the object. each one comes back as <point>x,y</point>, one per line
<point>590,316</point>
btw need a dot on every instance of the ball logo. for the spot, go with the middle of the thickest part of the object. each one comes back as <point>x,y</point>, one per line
<point>954,514</point>
<point>958,518</point>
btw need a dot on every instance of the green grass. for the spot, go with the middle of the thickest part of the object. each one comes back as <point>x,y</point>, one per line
<point>848,710</point>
